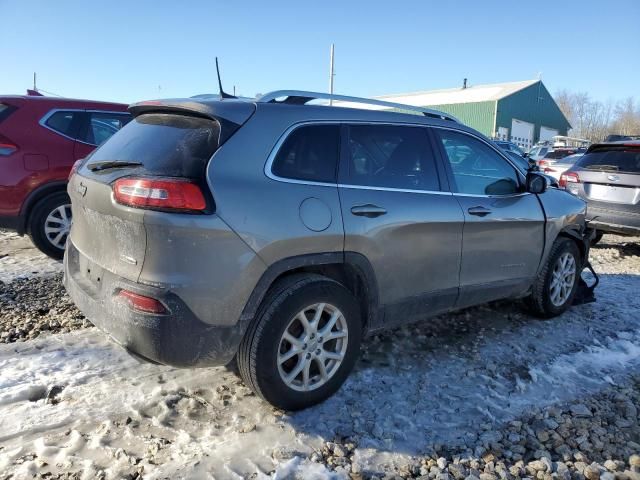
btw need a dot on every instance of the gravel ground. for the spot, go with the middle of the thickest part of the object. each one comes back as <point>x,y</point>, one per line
<point>31,306</point>
<point>484,394</point>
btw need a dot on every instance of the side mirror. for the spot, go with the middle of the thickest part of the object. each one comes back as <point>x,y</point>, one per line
<point>536,183</point>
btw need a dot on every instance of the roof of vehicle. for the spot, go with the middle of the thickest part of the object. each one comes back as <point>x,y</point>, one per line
<point>614,145</point>
<point>62,101</point>
<point>296,104</point>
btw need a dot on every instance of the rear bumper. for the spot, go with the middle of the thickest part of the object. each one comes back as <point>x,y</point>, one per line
<point>178,338</point>
<point>613,221</point>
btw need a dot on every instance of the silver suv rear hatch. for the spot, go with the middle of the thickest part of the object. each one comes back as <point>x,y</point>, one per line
<point>611,174</point>
<point>166,140</point>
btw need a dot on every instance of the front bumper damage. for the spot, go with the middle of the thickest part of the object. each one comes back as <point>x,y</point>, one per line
<point>586,291</point>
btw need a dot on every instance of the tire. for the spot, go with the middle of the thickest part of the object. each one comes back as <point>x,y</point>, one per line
<point>264,341</point>
<point>541,301</point>
<point>43,231</point>
<point>597,238</point>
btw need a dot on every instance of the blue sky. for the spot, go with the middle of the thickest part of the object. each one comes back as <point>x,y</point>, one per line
<point>134,50</point>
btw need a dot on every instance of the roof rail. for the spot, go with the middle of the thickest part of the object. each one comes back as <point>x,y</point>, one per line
<point>300,97</point>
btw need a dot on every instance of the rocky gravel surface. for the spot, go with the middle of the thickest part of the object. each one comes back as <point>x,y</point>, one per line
<point>36,305</point>
<point>595,438</point>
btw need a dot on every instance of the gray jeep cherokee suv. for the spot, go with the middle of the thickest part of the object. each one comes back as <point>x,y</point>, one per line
<point>279,233</point>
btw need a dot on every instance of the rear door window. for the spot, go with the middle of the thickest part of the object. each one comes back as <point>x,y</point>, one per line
<point>310,153</point>
<point>391,156</point>
<point>65,122</point>
<point>165,144</point>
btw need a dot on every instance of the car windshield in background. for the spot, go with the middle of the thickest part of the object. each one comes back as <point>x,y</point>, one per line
<point>622,159</point>
<point>166,144</point>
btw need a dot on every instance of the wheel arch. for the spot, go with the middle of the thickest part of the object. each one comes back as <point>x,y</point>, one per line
<point>36,196</point>
<point>351,269</point>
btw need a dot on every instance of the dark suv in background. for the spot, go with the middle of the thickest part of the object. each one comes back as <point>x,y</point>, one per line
<point>40,139</point>
<point>608,178</point>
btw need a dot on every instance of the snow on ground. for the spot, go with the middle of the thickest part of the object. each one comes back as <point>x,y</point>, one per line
<point>450,381</point>
<point>20,258</point>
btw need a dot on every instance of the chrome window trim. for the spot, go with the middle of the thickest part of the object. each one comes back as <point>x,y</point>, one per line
<point>50,113</point>
<point>274,152</point>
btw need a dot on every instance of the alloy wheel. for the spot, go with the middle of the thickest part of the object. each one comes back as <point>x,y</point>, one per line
<point>312,347</point>
<point>563,279</point>
<point>57,226</point>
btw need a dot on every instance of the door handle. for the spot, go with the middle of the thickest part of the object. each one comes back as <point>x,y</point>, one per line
<point>369,211</point>
<point>479,211</point>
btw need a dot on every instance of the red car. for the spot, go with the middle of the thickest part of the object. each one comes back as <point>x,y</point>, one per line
<point>40,140</point>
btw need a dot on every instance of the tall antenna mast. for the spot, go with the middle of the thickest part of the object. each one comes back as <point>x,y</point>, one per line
<point>34,82</point>
<point>223,94</point>
<point>331,75</point>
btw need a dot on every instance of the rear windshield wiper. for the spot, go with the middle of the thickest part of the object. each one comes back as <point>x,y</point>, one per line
<point>98,166</point>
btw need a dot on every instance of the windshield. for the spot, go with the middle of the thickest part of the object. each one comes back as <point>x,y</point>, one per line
<point>621,159</point>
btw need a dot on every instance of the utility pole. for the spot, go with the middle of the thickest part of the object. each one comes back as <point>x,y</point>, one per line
<point>331,75</point>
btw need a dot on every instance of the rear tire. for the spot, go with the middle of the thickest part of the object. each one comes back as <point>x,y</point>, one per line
<point>290,365</point>
<point>555,287</point>
<point>49,224</point>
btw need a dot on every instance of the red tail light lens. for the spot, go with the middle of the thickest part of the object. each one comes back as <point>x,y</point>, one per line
<point>549,170</point>
<point>74,168</point>
<point>7,149</point>
<point>164,194</point>
<point>569,177</point>
<point>141,303</point>
<point>543,163</point>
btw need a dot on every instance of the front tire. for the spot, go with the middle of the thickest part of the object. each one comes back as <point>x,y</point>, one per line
<point>303,343</point>
<point>556,285</point>
<point>49,224</point>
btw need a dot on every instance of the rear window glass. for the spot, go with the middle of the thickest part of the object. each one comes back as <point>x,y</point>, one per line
<point>559,154</point>
<point>309,153</point>
<point>63,122</point>
<point>166,144</point>
<point>619,160</point>
<point>5,110</point>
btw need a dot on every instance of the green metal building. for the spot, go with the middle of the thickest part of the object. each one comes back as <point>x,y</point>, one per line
<point>523,112</point>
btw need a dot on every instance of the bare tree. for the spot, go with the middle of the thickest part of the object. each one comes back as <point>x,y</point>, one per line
<point>594,120</point>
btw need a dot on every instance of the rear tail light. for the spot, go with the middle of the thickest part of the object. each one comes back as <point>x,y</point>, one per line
<point>7,148</point>
<point>543,163</point>
<point>74,168</point>
<point>142,303</point>
<point>164,194</point>
<point>549,170</point>
<point>569,177</point>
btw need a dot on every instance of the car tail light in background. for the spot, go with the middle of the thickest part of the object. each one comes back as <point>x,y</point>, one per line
<point>543,163</point>
<point>7,147</point>
<point>549,170</point>
<point>74,168</point>
<point>160,194</point>
<point>569,177</point>
<point>142,303</point>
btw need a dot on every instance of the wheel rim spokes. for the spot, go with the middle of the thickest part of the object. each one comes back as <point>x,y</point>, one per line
<point>563,279</point>
<point>312,347</point>
<point>57,226</point>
